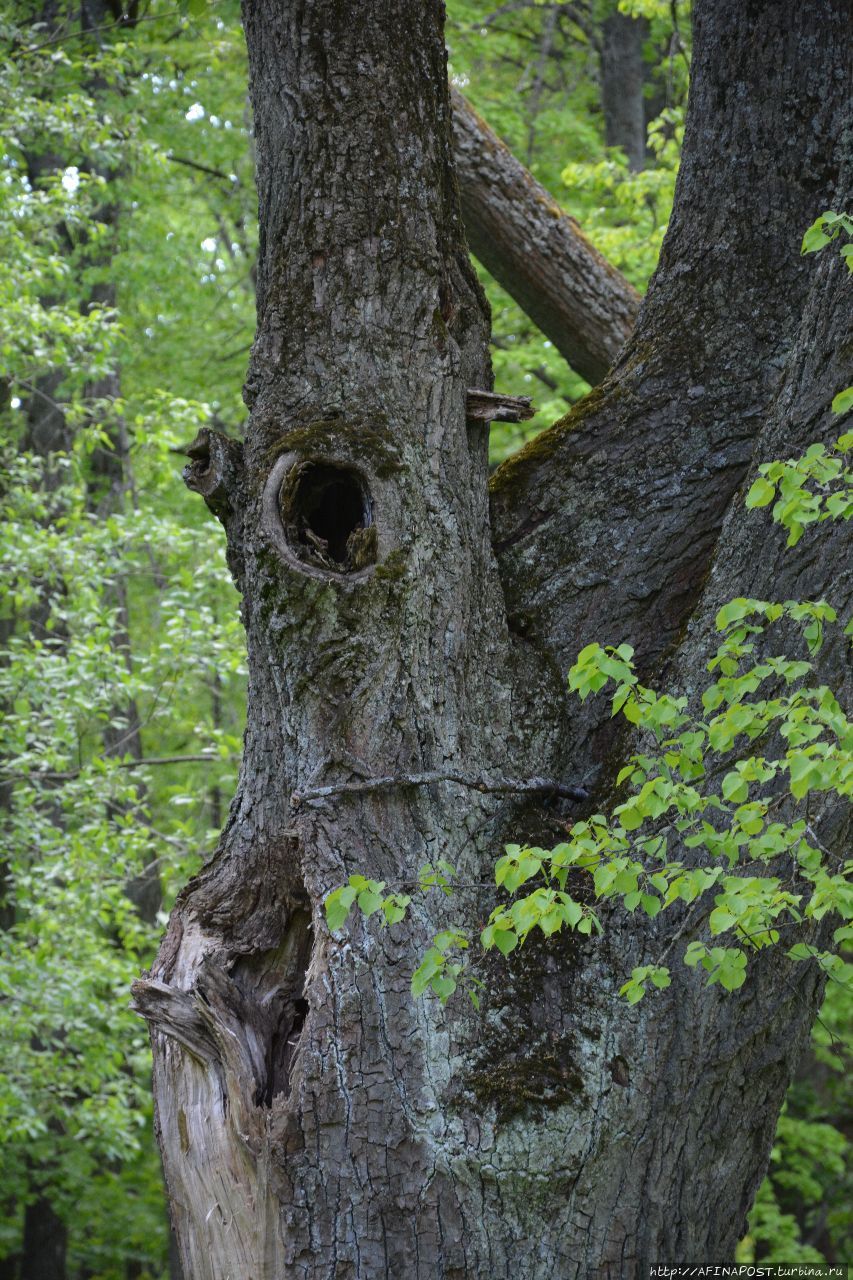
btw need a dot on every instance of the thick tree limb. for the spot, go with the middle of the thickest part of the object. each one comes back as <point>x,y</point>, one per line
<point>537,252</point>
<point>605,525</point>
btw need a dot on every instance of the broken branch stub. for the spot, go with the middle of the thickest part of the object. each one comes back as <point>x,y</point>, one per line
<point>488,406</point>
<point>216,463</point>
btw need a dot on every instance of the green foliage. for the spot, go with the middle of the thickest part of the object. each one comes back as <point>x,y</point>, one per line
<point>743,827</point>
<point>624,213</point>
<point>825,229</point>
<point>119,626</point>
<point>438,971</point>
<point>736,825</point>
<point>82,831</point>
<point>807,490</point>
<point>803,1192</point>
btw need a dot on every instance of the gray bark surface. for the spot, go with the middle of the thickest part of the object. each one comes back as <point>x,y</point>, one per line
<point>315,1120</point>
<point>537,252</point>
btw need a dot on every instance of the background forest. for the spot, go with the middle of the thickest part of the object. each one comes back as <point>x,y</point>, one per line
<point>127,252</point>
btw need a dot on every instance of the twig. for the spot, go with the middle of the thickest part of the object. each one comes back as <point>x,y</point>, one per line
<point>835,1040</point>
<point>230,178</point>
<point>691,918</point>
<point>27,51</point>
<point>37,774</point>
<point>488,786</point>
<point>34,390</point>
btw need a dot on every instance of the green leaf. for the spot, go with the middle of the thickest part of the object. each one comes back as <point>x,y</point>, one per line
<point>732,972</point>
<point>431,965</point>
<point>804,772</point>
<point>843,402</point>
<point>761,493</point>
<point>572,911</point>
<point>815,238</point>
<point>394,907</point>
<point>506,940</point>
<point>721,920</point>
<point>338,905</point>
<point>443,987</point>
<point>629,816</point>
<point>735,788</point>
<point>369,902</point>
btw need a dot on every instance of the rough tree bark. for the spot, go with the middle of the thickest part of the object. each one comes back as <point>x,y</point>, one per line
<point>537,251</point>
<point>315,1121</point>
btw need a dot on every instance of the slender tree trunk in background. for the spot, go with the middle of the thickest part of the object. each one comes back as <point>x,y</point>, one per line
<point>45,1237</point>
<point>45,1241</point>
<point>537,252</point>
<point>316,1121</point>
<point>108,493</point>
<point>623,76</point>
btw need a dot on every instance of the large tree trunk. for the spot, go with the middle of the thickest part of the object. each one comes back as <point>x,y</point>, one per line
<point>315,1120</point>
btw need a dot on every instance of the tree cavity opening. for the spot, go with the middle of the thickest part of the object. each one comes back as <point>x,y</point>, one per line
<point>327,514</point>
